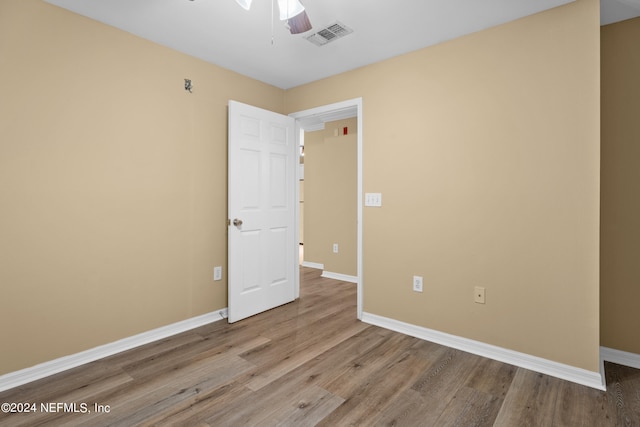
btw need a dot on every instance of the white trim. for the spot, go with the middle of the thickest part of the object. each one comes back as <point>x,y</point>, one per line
<point>23,376</point>
<point>620,357</point>
<point>329,274</point>
<point>299,138</point>
<point>315,118</point>
<point>523,360</point>
<point>360,286</point>
<point>345,109</point>
<point>603,374</point>
<point>313,265</point>
<point>340,276</point>
<point>314,127</point>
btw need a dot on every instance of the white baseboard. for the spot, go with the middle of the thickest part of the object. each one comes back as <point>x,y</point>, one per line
<point>23,376</point>
<point>620,357</point>
<point>329,274</point>
<point>523,360</point>
<point>340,276</point>
<point>313,265</point>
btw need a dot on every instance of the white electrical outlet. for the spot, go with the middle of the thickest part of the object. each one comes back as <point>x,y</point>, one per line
<point>335,248</point>
<point>417,283</point>
<point>217,273</point>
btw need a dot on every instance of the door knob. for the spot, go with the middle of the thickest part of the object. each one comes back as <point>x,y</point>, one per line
<point>237,222</point>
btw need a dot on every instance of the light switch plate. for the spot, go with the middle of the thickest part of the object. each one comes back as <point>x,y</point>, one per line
<point>373,199</point>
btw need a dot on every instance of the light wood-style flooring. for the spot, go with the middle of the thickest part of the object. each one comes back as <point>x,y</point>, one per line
<point>312,363</point>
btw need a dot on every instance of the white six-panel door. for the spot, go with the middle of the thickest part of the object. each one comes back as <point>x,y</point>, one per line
<point>261,206</point>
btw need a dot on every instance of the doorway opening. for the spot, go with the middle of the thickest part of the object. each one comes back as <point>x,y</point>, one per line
<point>314,119</point>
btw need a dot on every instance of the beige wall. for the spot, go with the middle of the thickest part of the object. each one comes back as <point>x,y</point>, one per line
<point>620,226</point>
<point>486,151</point>
<point>331,191</point>
<point>112,182</point>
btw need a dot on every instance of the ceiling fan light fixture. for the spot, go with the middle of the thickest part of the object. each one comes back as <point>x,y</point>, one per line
<point>289,9</point>
<point>245,4</point>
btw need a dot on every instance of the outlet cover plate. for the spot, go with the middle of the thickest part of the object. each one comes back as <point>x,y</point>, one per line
<point>417,283</point>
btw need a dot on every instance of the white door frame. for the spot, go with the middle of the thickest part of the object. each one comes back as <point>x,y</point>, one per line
<point>328,111</point>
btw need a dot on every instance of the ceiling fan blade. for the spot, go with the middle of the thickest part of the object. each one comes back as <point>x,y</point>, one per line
<point>299,23</point>
<point>246,4</point>
<point>289,9</point>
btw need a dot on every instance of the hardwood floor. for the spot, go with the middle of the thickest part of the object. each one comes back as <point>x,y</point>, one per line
<point>312,363</point>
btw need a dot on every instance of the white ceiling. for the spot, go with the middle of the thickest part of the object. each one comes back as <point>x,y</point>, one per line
<point>618,10</point>
<point>222,33</point>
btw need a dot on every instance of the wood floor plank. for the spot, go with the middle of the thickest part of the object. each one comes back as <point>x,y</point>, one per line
<point>310,409</point>
<point>187,385</point>
<point>186,355</point>
<point>293,407</point>
<point>623,394</point>
<point>86,384</point>
<point>438,385</point>
<point>325,367</point>
<point>492,377</point>
<point>348,379</point>
<point>406,410</point>
<point>204,409</point>
<point>160,395</point>
<point>580,406</point>
<point>470,408</point>
<point>291,340</point>
<point>530,401</point>
<point>154,349</point>
<point>270,404</point>
<point>277,367</point>
<point>367,399</point>
<point>62,383</point>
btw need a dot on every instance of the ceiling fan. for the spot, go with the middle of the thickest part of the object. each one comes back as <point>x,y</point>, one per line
<point>291,11</point>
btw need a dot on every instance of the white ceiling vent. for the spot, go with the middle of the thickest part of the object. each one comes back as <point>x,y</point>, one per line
<point>329,33</point>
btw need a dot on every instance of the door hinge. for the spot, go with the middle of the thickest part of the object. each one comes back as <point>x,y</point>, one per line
<point>228,222</point>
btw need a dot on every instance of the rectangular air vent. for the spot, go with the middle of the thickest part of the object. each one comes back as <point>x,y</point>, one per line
<point>329,33</point>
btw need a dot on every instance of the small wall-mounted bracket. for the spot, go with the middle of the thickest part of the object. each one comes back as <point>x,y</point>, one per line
<point>188,86</point>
